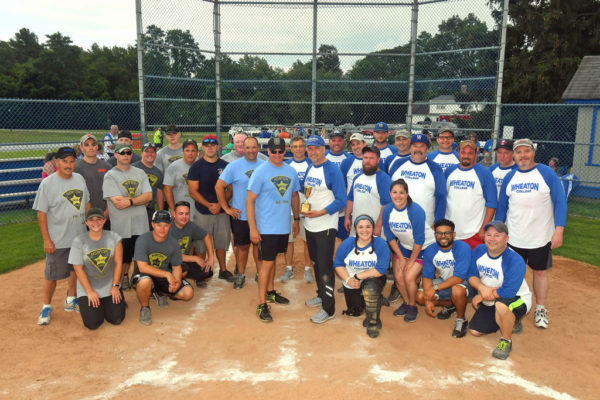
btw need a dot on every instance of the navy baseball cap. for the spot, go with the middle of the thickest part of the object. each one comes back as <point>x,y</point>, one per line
<point>419,138</point>
<point>381,126</point>
<point>506,144</point>
<point>315,140</point>
<point>161,216</point>
<point>65,152</point>
<point>276,144</point>
<point>336,134</point>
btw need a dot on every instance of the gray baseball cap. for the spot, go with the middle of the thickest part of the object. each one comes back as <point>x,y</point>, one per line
<point>497,225</point>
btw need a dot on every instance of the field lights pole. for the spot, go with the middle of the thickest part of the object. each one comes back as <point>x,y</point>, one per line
<point>217,33</point>
<point>140,59</point>
<point>411,70</point>
<point>313,100</point>
<point>499,79</point>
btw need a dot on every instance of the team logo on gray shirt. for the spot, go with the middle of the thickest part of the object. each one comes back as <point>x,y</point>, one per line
<point>183,241</point>
<point>156,259</point>
<point>172,159</point>
<point>131,185</point>
<point>74,197</point>
<point>184,176</point>
<point>281,183</point>
<point>99,258</point>
<point>153,179</point>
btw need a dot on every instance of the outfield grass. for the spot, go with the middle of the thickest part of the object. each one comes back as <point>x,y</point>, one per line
<point>23,243</point>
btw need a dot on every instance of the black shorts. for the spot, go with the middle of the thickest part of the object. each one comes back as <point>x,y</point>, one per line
<point>271,245</point>
<point>484,319</point>
<point>128,249</point>
<point>160,285</point>
<point>539,259</point>
<point>241,232</point>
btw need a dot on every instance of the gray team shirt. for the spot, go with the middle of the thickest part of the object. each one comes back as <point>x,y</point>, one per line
<point>233,155</point>
<point>94,177</point>
<point>161,255</point>
<point>166,156</point>
<point>96,256</point>
<point>155,178</point>
<point>131,220</point>
<point>187,235</point>
<point>63,201</point>
<point>176,176</point>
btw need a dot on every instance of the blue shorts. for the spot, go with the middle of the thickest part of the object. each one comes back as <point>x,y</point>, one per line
<point>446,294</point>
<point>406,253</point>
<point>342,233</point>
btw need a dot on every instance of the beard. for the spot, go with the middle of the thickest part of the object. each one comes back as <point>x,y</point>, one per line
<point>370,170</point>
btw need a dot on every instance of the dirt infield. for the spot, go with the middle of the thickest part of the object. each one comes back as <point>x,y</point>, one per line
<point>214,347</point>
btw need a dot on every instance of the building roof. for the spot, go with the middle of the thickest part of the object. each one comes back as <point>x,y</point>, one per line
<point>585,84</point>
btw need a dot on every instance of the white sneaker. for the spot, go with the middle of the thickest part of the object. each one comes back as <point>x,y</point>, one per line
<point>287,275</point>
<point>308,275</point>
<point>71,305</point>
<point>541,318</point>
<point>44,318</point>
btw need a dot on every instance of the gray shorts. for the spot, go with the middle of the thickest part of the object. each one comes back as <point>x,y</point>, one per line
<point>57,265</point>
<point>217,226</point>
<point>301,234</point>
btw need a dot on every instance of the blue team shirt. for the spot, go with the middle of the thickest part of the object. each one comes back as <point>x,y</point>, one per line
<point>455,261</point>
<point>500,173</point>
<point>444,160</point>
<point>328,192</point>
<point>337,159</point>
<point>238,174</point>
<point>407,225</point>
<point>379,259</point>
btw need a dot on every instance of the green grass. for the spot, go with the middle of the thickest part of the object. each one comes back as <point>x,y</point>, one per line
<point>22,245</point>
<point>579,241</point>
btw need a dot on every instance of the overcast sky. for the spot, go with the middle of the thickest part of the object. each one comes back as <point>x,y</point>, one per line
<point>255,29</point>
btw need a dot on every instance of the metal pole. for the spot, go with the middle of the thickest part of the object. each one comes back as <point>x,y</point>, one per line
<point>140,59</point>
<point>313,100</point>
<point>217,33</point>
<point>499,79</point>
<point>414,20</point>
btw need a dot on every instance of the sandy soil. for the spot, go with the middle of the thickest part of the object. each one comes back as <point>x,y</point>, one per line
<point>215,347</point>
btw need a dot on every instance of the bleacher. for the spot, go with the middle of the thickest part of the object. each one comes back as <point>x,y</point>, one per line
<point>19,181</point>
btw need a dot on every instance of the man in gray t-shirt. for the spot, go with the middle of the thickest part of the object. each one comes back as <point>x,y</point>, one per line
<point>155,178</point>
<point>61,202</point>
<point>158,266</point>
<point>175,183</point>
<point>171,153</point>
<point>92,169</point>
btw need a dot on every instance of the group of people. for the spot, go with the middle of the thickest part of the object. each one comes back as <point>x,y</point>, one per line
<point>438,220</point>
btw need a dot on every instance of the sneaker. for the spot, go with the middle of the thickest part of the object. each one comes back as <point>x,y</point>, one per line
<point>287,275</point>
<point>239,281</point>
<point>394,295</point>
<point>503,349</point>
<point>308,275</point>
<point>446,312</point>
<point>402,310</point>
<point>263,313</point>
<point>44,318</point>
<point>145,316</point>
<point>518,328</point>
<point>541,318</point>
<point>460,328</point>
<point>321,317</point>
<point>71,305</point>
<point>411,314</point>
<point>201,283</point>
<point>125,283</point>
<point>353,312</point>
<point>314,302</point>
<point>226,275</point>
<point>274,297</point>
<point>160,300</point>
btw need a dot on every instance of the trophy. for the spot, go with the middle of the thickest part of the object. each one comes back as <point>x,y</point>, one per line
<point>306,204</point>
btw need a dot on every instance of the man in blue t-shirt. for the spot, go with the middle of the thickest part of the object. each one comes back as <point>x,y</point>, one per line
<point>272,196</point>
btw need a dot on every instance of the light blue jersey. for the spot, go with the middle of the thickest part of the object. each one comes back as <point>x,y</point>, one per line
<point>238,174</point>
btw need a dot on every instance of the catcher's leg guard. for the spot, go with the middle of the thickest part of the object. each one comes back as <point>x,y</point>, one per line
<point>371,291</point>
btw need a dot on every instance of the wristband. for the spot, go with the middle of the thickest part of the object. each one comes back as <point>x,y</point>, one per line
<point>347,279</point>
<point>130,202</point>
<point>356,277</point>
<point>435,287</point>
<point>296,218</point>
<point>116,285</point>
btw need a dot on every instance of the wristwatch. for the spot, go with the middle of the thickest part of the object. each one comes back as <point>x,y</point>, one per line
<point>117,285</point>
<point>435,287</point>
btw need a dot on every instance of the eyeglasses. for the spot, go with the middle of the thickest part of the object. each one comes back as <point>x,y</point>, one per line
<point>278,151</point>
<point>442,234</point>
<point>125,153</point>
<point>209,141</point>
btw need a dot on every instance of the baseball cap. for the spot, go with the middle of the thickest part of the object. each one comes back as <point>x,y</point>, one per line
<point>125,134</point>
<point>523,142</point>
<point>161,216</point>
<point>94,212</point>
<point>465,143</point>
<point>357,136</point>
<point>85,137</point>
<point>315,140</point>
<point>189,142</point>
<point>403,133</point>
<point>498,225</point>
<point>381,126</point>
<point>276,143</point>
<point>148,145</point>
<point>209,139</point>
<point>171,129</point>
<point>504,144</point>
<point>120,147</point>
<point>65,152</point>
<point>372,149</point>
<point>362,218</point>
<point>442,130</point>
<point>336,134</point>
<point>419,138</point>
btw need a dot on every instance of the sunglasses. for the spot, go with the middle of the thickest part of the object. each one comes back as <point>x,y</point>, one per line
<point>209,141</point>
<point>278,151</point>
<point>126,153</point>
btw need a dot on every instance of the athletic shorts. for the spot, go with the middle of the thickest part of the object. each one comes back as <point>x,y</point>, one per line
<point>342,233</point>
<point>270,245</point>
<point>301,233</point>
<point>406,253</point>
<point>241,232</point>
<point>484,319</point>
<point>160,285</point>
<point>217,226</point>
<point>473,241</point>
<point>539,259</point>
<point>128,249</point>
<point>57,265</point>
<point>446,294</point>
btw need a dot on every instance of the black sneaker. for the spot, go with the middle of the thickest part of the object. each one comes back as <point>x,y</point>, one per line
<point>274,297</point>
<point>226,275</point>
<point>394,294</point>
<point>446,312</point>
<point>411,314</point>
<point>518,327</point>
<point>353,312</point>
<point>201,283</point>
<point>460,328</point>
<point>263,313</point>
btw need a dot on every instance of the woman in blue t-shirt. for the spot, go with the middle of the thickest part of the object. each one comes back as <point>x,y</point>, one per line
<point>361,262</point>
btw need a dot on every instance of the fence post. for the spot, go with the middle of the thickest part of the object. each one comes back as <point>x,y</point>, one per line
<point>411,74</point>
<point>217,34</point>
<point>313,100</point>
<point>499,79</point>
<point>140,59</point>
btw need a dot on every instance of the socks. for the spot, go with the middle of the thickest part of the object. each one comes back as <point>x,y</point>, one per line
<point>46,306</point>
<point>306,267</point>
<point>288,267</point>
<point>539,307</point>
<point>70,299</point>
